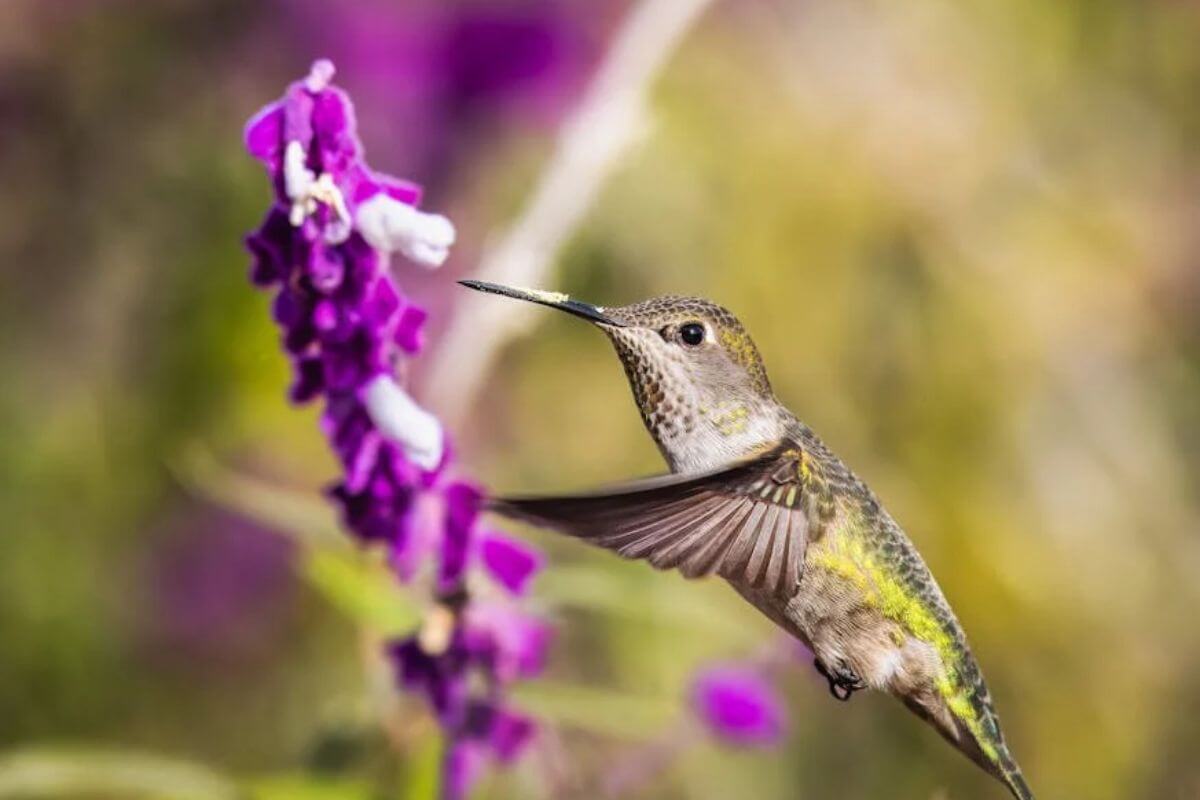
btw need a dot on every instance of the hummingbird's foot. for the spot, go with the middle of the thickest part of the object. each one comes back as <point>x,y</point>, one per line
<point>843,681</point>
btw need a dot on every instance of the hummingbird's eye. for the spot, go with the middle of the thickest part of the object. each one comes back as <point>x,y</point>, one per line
<point>692,333</point>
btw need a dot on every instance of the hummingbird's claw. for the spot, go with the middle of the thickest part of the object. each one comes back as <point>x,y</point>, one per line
<point>840,692</point>
<point>843,681</point>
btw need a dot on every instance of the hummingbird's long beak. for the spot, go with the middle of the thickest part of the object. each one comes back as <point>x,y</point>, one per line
<point>553,299</point>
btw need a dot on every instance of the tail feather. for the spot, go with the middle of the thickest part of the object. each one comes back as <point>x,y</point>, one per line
<point>984,744</point>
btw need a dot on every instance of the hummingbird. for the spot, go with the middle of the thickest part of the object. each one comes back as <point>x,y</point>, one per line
<point>755,497</point>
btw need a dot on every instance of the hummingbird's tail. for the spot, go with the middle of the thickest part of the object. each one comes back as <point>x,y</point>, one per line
<point>970,724</point>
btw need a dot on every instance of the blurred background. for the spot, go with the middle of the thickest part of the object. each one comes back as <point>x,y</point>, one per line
<point>963,232</point>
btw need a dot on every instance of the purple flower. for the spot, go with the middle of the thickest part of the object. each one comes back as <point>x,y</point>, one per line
<point>498,644</point>
<point>462,767</point>
<point>463,671</point>
<point>507,732</point>
<point>440,676</point>
<point>489,731</point>
<point>512,563</point>
<point>462,508</point>
<point>739,706</point>
<point>511,643</point>
<point>323,249</point>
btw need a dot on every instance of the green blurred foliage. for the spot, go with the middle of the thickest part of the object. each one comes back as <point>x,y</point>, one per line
<point>962,233</point>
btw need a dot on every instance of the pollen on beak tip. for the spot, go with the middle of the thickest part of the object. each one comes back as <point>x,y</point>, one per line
<point>547,297</point>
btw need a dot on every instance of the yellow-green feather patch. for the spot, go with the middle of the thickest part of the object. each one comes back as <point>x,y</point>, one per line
<point>848,556</point>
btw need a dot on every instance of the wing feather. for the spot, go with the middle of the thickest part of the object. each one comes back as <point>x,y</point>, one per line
<point>748,522</point>
<point>767,571</point>
<point>706,558</point>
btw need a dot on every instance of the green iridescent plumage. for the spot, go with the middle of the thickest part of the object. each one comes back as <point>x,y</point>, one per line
<point>872,552</point>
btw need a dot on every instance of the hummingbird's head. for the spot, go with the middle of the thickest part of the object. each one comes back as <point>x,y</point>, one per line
<point>696,374</point>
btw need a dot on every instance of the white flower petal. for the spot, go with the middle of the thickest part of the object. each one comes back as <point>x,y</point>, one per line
<point>400,419</point>
<point>297,178</point>
<point>392,226</point>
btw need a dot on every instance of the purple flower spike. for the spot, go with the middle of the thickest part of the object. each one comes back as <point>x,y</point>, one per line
<point>323,249</point>
<point>739,706</point>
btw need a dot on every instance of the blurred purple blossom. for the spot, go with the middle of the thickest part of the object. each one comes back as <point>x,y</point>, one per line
<point>323,248</point>
<point>739,706</point>
<point>443,68</point>
<point>218,585</point>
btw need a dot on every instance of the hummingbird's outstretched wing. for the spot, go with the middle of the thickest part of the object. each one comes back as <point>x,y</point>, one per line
<point>747,522</point>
